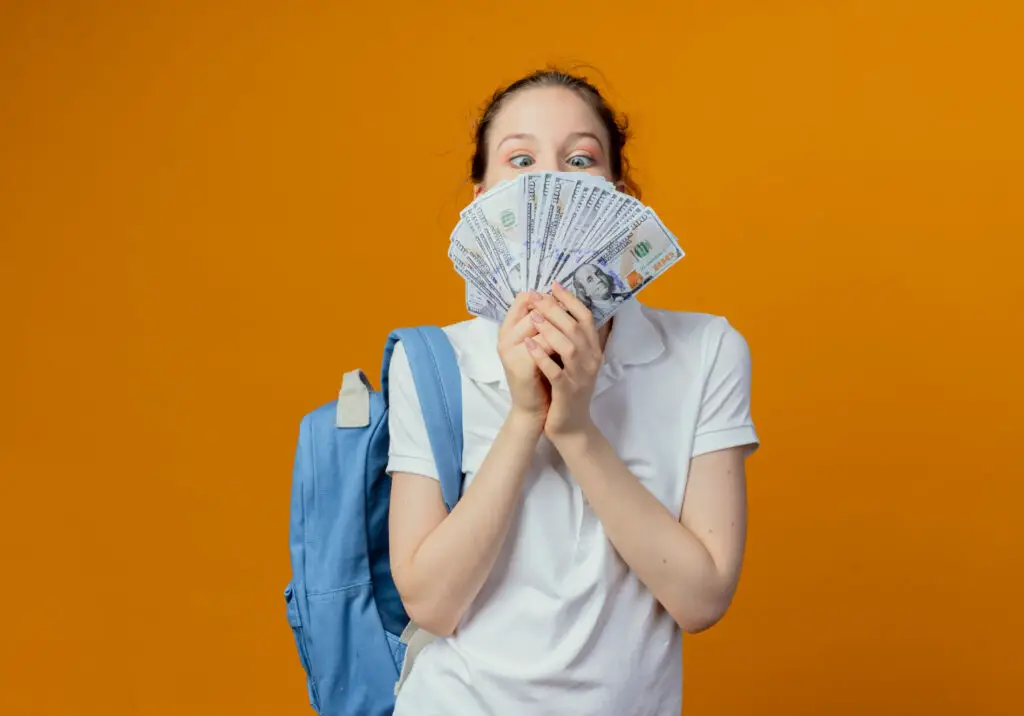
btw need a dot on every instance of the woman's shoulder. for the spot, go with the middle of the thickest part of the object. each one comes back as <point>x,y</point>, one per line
<point>695,332</point>
<point>471,331</point>
<point>475,342</point>
<point>465,337</point>
<point>683,323</point>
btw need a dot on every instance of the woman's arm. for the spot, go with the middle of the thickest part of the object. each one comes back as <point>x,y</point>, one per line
<point>691,565</point>
<point>439,560</point>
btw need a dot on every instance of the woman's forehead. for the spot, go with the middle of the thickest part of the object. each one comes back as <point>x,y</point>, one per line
<point>548,113</point>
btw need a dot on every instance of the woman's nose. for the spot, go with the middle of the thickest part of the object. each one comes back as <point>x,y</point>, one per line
<point>545,164</point>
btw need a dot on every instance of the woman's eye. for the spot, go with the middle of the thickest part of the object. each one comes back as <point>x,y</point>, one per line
<point>521,161</point>
<point>581,161</point>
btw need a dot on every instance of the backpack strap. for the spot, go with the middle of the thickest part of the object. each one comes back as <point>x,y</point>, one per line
<point>435,371</point>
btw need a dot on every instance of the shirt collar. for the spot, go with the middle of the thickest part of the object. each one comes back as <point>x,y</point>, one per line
<point>478,352</point>
<point>634,340</point>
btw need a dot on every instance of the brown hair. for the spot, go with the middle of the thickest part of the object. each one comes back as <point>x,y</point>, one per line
<point>617,125</point>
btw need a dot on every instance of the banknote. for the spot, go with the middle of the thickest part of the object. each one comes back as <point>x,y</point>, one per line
<point>480,303</point>
<point>470,263</point>
<point>493,249</point>
<point>544,184</point>
<point>531,186</point>
<point>575,246</point>
<point>568,197</point>
<point>575,227</point>
<point>555,206</point>
<point>639,252</point>
<point>500,211</point>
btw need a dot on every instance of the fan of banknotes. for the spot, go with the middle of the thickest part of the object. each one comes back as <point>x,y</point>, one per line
<point>569,227</point>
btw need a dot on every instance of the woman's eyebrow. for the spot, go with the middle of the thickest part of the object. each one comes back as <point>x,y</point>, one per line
<point>584,135</point>
<point>515,136</point>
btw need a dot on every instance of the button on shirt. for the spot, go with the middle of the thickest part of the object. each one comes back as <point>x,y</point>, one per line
<point>562,625</point>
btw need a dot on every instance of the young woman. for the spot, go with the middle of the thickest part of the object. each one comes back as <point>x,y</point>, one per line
<point>562,581</point>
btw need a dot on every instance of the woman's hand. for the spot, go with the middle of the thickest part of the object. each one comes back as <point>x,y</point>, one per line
<point>570,333</point>
<point>531,395</point>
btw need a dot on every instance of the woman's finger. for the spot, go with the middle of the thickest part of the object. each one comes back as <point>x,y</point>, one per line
<point>543,343</point>
<point>551,370</point>
<point>573,305</point>
<point>520,307</point>
<point>564,347</point>
<point>517,324</point>
<point>524,328</point>
<point>560,318</point>
<point>578,310</point>
<point>527,328</point>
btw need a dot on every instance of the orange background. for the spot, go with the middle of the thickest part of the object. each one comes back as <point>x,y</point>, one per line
<point>209,211</point>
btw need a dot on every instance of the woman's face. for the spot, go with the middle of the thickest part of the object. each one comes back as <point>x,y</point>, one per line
<point>545,129</point>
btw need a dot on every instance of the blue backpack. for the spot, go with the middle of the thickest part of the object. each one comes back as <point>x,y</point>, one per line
<point>342,603</point>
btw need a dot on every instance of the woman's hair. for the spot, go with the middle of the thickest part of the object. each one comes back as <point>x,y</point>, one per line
<point>616,124</point>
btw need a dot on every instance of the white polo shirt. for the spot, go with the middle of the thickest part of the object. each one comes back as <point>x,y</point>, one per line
<point>562,625</point>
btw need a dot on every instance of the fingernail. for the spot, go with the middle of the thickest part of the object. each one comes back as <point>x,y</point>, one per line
<point>537,318</point>
<point>530,343</point>
<point>557,285</point>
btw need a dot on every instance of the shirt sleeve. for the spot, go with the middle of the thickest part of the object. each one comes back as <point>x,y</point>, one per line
<point>724,420</point>
<point>409,450</point>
